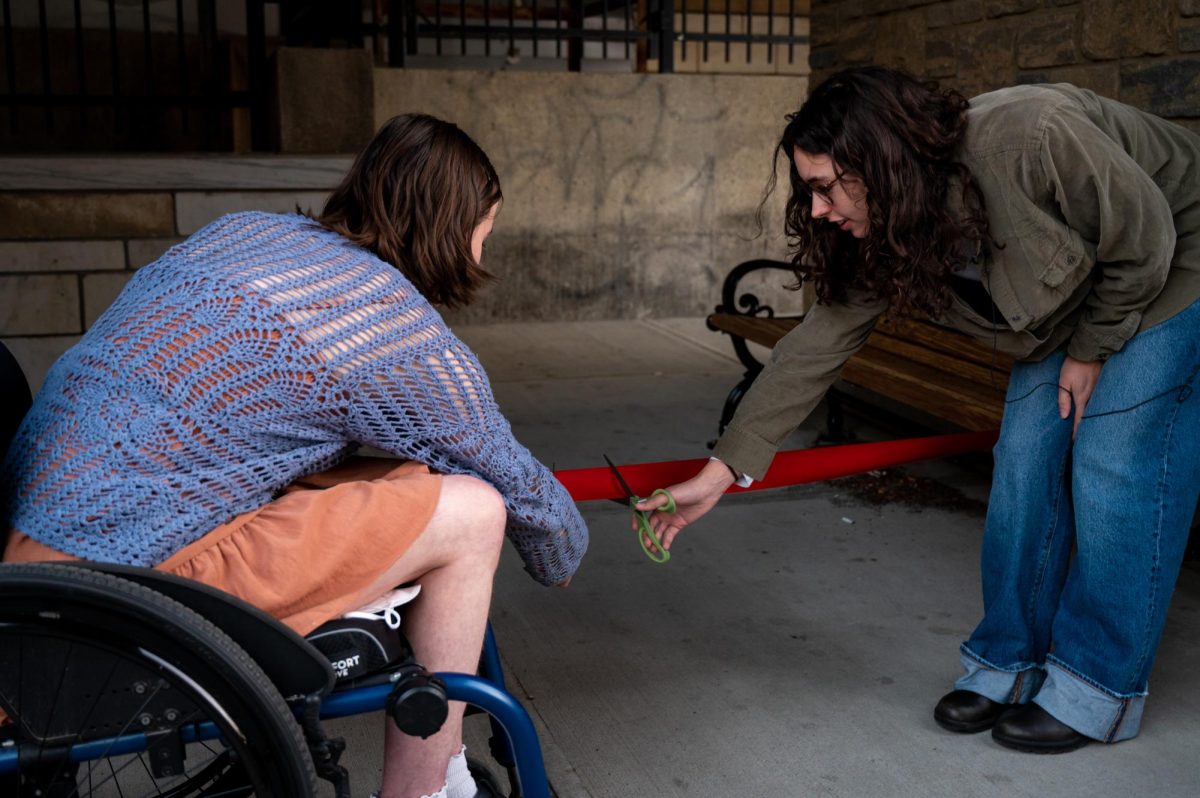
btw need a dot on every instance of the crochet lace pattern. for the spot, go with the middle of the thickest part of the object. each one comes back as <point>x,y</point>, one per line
<point>262,349</point>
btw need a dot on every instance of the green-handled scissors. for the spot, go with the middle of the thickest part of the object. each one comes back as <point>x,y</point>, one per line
<point>645,530</point>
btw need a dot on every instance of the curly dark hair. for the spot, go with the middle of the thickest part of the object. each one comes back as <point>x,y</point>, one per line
<point>898,135</point>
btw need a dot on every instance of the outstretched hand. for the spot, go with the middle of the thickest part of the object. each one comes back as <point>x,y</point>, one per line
<point>693,499</point>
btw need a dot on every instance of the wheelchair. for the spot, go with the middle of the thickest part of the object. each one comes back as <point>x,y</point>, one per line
<point>120,680</point>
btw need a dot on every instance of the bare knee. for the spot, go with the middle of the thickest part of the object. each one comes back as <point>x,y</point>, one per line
<point>479,510</point>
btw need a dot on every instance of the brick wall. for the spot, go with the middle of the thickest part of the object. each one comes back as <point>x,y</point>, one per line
<point>74,230</point>
<point>1145,53</point>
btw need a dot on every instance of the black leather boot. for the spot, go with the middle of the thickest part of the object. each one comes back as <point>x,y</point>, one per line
<point>1034,730</point>
<point>967,713</point>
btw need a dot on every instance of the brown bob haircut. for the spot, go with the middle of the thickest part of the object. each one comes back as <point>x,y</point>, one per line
<point>414,196</point>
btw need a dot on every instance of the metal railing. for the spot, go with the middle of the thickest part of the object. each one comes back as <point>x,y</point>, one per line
<point>632,30</point>
<point>551,29</point>
<point>781,29</point>
<point>133,75</point>
<point>195,74</point>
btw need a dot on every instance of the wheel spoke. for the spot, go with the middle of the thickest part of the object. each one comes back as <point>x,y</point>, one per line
<point>108,636</point>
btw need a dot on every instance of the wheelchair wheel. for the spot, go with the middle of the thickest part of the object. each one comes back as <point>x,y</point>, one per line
<point>109,688</point>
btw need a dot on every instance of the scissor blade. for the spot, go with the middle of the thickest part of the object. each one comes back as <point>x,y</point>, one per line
<point>620,479</point>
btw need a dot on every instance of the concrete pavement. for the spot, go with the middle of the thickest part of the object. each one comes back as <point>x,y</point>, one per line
<point>797,640</point>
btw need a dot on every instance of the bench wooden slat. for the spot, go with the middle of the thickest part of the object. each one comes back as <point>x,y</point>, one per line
<point>767,332</point>
<point>961,401</point>
<point>945,340</point>
<point>914,362</point>
<point>938,359</point>
<point>757,329</point>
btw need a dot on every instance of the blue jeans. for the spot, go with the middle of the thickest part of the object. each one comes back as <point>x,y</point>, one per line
<point>1077,635</point>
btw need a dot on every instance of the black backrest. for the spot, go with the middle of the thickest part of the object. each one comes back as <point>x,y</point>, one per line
<point>14,397</point>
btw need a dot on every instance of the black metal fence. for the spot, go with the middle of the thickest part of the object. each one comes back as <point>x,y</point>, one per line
<point>106,75</point>
<point>639,31</point>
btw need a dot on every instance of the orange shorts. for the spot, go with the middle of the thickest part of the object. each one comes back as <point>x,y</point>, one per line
<point>313,553</point>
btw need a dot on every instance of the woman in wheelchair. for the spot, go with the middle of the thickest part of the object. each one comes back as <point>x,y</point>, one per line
<point>205,425</point>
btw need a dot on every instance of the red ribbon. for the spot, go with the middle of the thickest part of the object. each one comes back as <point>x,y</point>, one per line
<point>788,468</point>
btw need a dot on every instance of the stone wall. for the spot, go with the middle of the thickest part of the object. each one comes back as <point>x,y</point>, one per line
<point>73,230</point>
<point>625,195</point>
<point>1144,53</point>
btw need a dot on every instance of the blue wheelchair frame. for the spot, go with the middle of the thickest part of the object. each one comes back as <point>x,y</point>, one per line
<point>515,742</point>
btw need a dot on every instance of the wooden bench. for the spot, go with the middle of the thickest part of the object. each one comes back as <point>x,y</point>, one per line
<point>943,374</point>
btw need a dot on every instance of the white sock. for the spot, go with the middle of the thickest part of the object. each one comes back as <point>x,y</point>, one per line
<point>439,794</point>
<point>459,782</point>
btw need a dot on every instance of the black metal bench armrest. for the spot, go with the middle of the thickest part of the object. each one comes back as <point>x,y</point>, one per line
<point>749,304</point>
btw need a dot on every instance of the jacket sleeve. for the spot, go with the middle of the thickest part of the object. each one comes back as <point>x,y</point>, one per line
<point>803,365</point>
<point>432,403</point>
<point>1109,200</point>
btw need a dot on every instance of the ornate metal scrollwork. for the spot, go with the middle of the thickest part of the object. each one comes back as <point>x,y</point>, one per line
<point>752,308</point>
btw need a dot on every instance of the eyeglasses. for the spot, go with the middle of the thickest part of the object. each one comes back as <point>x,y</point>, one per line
<point>822,190</point>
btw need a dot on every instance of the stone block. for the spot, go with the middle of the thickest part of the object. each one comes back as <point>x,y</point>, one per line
<point>544,276</point>
<point>41,304</point>
<point>1169,88</point>
<point>874,7</point>
<point>99,291</point>
<point>825,27</point>
<point>966,11</point>
<point>857,44</point>
<point>1004,8</point>
<point>940,58</point>
<point>173,172</point>
<point>1048,40</point>
<point>588,192</point>
<point>900,41</point>
<point>37,355</point>
<point>323,99</point>
<point>1189,36</point>
<point>1188,124</point>
<point>195,209</point>
<point>61,256</point>
<point>940,15</point>
<point>1120,29</point>
<point>824,58</point>
<point>849,9</point>
<point>986,56</point>
<point>971,86</point>
<point>43,215</point>
<point>1103,78</point>
<point>141,251</point>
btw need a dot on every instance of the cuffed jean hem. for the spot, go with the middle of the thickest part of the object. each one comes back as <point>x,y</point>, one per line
<point>1015,685</point>
<point>1087,708</point>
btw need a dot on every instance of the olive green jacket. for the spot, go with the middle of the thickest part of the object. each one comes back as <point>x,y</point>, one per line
<point>1094,213</point>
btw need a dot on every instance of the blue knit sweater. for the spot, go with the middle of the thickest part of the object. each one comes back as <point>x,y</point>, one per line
<point>262,349</point>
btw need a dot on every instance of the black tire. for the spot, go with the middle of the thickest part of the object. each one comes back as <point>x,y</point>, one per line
<point>163,665</point>
<point>486,783</point>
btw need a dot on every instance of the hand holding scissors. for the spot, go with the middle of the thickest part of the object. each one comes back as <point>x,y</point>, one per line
<point>693,497</point>
<point>651,544</point>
